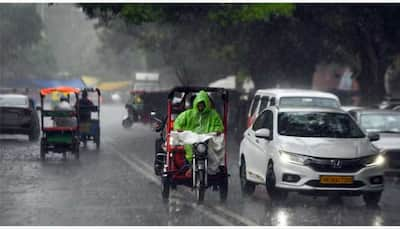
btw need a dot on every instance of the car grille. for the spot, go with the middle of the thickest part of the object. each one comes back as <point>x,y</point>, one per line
<point>317,184</point>
<point>335,165</point>
<point>393,158</point>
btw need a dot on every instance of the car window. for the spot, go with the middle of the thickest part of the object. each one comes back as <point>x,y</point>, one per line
<point>254,105</point>
<point>272,102</point>
<point>258,124</point>
<point>7,101</point>
<point>381,122</point>
<point>308,102</point>
<point>318,124</point>
<point>268,120</point>
<point>264,102</point>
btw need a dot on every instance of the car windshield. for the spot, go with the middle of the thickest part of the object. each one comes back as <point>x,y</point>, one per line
<point>380,122</point>
<point>318,124</point>
<point>308,102</point>
<point>7,101</point>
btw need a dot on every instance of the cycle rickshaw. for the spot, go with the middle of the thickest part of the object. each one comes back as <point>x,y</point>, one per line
<point>209,166</point>
<point>90,124</point>
<point>59,139</point>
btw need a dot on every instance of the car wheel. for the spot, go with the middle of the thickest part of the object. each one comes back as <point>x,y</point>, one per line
<point>247,187</point>
<point>372,198</point>
<point>274,192</point>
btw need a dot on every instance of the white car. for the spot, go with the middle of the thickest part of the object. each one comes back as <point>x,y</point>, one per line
<point>312,151</point>
<point>264,98</point>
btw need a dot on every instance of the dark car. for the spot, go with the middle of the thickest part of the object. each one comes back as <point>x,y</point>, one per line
<point>18,115</point>
<point>387,124</point>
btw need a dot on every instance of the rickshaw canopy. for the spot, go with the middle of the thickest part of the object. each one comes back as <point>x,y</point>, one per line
<point>46,91</point>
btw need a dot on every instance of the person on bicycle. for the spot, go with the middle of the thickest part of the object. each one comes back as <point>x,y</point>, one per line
<point>201,119</point>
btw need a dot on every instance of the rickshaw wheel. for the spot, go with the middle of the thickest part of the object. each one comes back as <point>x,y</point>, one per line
<point>200,188</point>
<point>165,189</point>
<point>223,189</point>
<point>98,141</point>
<point>77,153</point>
<point>42,150</point>
<point>75,150</point>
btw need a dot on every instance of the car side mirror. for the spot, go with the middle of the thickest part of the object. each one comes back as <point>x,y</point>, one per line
<point>373,137</point>
<point>264,133</point>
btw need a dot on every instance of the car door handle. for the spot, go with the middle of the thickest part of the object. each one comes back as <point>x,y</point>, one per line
<point>257,141</point>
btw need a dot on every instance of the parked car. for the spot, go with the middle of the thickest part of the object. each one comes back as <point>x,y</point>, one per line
<point>18,115</point>
<point>264,98</point>
<point>311,151</point>
<point>387,124</point>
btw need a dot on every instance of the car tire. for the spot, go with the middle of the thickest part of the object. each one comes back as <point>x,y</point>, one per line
<point>372,198</point>
<point>246,186</point>
<point>276,194</point>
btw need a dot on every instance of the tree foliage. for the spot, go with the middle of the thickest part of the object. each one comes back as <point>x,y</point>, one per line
<point>273,43</point>
<point>24,51</point>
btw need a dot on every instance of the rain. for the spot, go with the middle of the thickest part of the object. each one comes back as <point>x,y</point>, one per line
<point>128,78</point>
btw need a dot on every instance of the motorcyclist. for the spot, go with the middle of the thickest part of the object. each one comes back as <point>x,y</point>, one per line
<point>201,118</point>
<point>64,105</point>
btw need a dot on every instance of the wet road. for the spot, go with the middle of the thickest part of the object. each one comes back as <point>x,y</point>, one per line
<point>116,186</point>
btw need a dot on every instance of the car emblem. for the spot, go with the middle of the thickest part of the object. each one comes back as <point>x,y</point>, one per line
<point>337,164</point>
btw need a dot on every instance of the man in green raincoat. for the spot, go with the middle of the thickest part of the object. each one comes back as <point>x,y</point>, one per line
<point>201,119</point>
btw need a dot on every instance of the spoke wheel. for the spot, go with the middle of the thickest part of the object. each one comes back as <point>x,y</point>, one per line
<point>200,187</point>
<point>165,189</point>
<point>223,188</point>
<point>42,150</point>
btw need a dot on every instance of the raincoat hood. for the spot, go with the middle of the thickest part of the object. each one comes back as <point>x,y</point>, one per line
<point>202,97</point>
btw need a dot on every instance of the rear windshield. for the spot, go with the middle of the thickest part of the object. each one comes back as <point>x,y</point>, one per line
<point>6,101</point>
<point>308,102</point>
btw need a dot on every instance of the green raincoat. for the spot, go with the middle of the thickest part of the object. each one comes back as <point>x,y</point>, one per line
<point>199,122</point>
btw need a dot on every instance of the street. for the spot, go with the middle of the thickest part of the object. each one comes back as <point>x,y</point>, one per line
<point>117,186</point>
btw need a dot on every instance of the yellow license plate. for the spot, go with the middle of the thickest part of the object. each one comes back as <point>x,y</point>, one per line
<point>336,180</point>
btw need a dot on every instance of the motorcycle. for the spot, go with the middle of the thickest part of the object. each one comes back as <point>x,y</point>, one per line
<point>132,116</point>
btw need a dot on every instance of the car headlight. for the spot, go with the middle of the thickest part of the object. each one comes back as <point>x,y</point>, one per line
<point>201,148</point>
<point>293,158</point>
<point>374,160</point>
